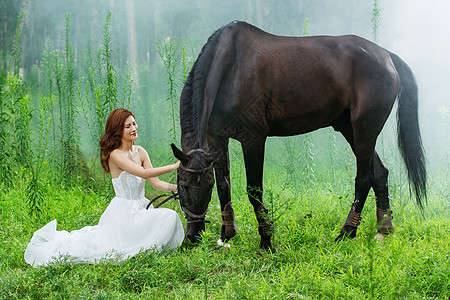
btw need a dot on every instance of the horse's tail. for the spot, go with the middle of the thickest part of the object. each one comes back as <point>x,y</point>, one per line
<point>409,139</point>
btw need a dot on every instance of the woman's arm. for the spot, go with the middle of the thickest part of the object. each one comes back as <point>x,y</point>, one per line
<point>156,183</point>
<point>162,186</point>
<point>120,160</point>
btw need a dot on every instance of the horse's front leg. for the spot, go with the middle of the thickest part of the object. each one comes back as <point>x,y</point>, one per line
<point>222,172</point>
<point>254,160</point>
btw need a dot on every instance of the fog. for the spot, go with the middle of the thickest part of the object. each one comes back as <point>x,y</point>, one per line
<point>415,30</point>
<point>418,32</point>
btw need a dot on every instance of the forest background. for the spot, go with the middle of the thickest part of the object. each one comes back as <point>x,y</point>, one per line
<point>66,64</point>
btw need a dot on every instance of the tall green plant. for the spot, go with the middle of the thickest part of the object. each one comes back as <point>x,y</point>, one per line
<point>16,111</point>
<point>127,89</point>
<point>12,98</point>
<point>71,163</point>
<point>308,146</point>
<point>3,59</point>
<point>23,129</point>
<point>376,17</point>
<point>100,94</point>
<point>3,131</point>
<point>49,66</point>
<point>187,58</point>
<point>292,159</point>
<point>168,51</point>
<point>332,152</point>
<point>69,139</point>
<point>306,27</point>
<point>184,63</point>
<point>94,106</point>
<point>35,187</point>
<point>107,57</point>
<point>59,82</point>
<point>16,48</point>
<point>6,171</point>
<point>445,165</point>
<point>308,159</point>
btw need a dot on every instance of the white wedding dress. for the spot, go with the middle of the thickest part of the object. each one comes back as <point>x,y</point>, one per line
<point>125,228</point>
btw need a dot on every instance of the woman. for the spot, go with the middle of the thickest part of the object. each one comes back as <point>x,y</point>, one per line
<point>126,227</point>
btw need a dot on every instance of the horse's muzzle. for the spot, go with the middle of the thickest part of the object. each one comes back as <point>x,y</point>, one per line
<point>194,230</point>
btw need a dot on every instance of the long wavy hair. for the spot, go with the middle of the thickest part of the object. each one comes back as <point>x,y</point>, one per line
<point>112,138</point>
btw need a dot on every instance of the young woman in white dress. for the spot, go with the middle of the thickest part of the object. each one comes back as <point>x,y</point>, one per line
<point>126,227</point>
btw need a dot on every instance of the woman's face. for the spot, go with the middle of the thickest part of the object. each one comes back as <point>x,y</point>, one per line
<point>130,129</point>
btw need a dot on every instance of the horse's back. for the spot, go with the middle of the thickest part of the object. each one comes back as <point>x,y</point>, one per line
<point>291,85</point>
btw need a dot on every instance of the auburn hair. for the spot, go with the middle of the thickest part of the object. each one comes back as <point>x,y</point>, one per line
<point>112,137</point>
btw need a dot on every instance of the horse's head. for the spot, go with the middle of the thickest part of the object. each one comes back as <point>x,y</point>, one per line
<point>195,182</point>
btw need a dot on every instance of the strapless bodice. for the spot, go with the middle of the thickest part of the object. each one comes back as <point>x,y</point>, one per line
<point>129,186</point>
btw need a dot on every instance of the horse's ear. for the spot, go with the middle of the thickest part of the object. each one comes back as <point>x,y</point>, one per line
<point>179,154</point>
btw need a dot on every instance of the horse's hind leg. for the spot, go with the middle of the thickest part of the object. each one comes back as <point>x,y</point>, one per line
<point>362,140</point>
<point>364,162</point>
<point>380,187</point>
<point>378,175</point>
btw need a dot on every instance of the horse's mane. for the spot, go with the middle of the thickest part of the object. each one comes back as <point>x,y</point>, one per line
<point>191,101</point>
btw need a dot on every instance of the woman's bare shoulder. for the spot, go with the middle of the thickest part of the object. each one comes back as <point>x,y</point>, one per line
<point>141,150</point>
<point>116,153</point>
<point>115,157</point>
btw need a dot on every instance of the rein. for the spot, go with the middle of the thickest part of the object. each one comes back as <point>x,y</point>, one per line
<point>197,218</point>
<point>173,196</point>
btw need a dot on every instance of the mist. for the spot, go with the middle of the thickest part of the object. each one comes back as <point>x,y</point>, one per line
<point>416,31</point>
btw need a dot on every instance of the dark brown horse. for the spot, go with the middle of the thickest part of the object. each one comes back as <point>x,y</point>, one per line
<point>247,85</point>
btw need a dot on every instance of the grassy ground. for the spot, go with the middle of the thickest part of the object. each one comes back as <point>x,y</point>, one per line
<point>413,263</point>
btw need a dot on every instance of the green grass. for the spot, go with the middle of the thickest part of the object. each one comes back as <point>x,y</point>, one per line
<point>413,263</point>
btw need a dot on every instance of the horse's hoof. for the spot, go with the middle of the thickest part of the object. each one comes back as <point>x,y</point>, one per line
<point>379,237</point>
<point>346,232</point>
<point>267,246</point>
<point>270,249</point>
<point>384,221</point>
<point>223,244</point>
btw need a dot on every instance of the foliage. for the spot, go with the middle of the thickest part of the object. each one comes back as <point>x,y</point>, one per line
<point>107,55</point>
<point>412,263</point>
<point>169,53</point>
<point>309,165</point>
<point>16,48</point>
<point>35,188</point>
<point>376,17</point>
<point>306,28</point>
<point>308,189</point>
<point>100,94</point>
<point>15,114</point>
<point>69,141</point>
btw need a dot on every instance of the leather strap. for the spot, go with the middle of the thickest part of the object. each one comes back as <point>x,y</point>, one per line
<point>353,219</point>
<point>384,221</point>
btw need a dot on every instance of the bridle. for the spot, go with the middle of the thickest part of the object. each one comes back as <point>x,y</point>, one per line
<point>194,217</point>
